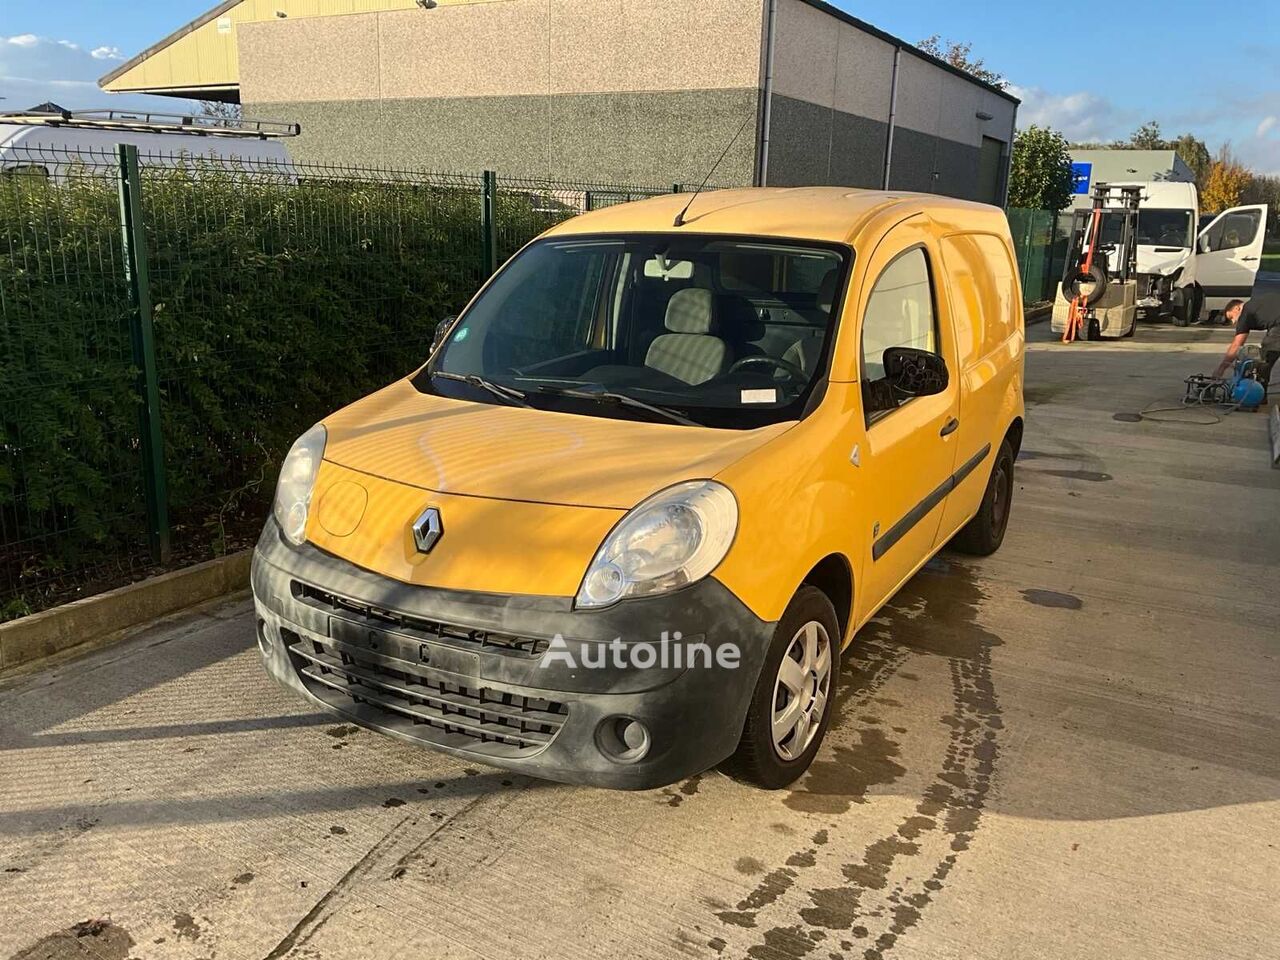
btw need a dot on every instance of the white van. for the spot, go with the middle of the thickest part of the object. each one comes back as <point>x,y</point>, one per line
<point>1189,265</point>
<point>48,144</point>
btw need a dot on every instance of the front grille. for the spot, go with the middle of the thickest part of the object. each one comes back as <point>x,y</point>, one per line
<point>420,701</point>
<point>422,627</point>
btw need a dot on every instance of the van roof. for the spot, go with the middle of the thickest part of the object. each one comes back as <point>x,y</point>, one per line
<point>832,214</point>
<point>1163,193</point>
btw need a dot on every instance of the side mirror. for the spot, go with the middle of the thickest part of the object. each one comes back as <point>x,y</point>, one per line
<point>441,332</point>
<point>915,373</point>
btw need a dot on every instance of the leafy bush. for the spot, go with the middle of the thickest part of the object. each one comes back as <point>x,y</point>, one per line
<point>276,300</point>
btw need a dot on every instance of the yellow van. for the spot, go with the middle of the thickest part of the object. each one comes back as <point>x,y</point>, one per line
<point>649,484</point>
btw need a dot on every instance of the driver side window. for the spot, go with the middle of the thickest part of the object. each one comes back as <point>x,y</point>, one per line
<point>899,314</point>
<point>1233,230</point>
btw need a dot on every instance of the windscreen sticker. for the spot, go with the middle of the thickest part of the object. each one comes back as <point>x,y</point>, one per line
<point>460,335</point>
<point>760,396</point>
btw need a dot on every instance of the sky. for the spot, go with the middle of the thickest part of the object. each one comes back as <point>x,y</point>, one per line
<point>1217,76</point>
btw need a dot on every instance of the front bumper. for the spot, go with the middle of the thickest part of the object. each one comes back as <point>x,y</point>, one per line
<point>468,673</point>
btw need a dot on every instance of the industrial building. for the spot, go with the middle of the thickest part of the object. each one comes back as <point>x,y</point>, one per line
<point>1124,166</point>
<point>612,90</point>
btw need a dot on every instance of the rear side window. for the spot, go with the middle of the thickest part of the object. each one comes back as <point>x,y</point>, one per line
<point>899,312</point>
<point>984,293</point>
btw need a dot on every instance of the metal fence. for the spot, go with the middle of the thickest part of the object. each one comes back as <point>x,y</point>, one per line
<point>170,324</point>
<point>1040,242</point>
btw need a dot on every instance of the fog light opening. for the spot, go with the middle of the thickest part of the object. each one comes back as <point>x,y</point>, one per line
<point>623,739</point>
<point>264,642</point>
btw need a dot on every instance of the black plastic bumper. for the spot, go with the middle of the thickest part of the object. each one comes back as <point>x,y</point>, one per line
<point>469,673</point>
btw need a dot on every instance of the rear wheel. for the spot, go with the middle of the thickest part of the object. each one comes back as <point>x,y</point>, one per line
<point>792,703</point>
<point>983,535</point>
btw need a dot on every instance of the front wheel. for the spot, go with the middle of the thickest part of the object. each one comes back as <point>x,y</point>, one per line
<point>794,696</point>
<point>983,535</point>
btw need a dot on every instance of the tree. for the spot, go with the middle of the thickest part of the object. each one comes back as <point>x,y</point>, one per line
<point>1040,174</point>
<point>1147,137</point>
<point>1195,155</point>
<point>222,114</point>
<point>960,55</point>
<point>1226,183</point>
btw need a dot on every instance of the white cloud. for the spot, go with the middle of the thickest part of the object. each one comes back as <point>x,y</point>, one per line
<point>1267,123</point>
<point>1262,155</point>
<point>35,69</point>
<point>1081,116</point>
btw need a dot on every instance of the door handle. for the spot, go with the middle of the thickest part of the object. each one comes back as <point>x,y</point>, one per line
<point>949,427</point>
<point>1248,259</point>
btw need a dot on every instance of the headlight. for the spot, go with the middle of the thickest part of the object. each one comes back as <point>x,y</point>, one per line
<point>297,477</point>
<point>677,536</point>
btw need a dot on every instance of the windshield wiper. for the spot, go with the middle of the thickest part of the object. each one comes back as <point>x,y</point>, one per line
<point>621,399</point>
<point>503,392</point>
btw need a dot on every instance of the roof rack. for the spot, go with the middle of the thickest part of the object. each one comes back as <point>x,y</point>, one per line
<point>151,122</point>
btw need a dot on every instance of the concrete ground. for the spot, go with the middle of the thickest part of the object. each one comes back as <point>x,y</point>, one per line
<point>1069,750</point>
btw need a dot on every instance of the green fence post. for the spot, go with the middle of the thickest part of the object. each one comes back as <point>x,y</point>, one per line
<point>142,338</point>
<point>488,228</point>
<point>1047,290</point>
<point>1026,253</point>
<point>586,201</point>
<point>677,188</point>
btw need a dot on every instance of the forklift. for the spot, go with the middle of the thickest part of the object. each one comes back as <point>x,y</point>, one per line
<point>1098,295</point>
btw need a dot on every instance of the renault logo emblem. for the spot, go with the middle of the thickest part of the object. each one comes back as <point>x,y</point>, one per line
<point>427,530</point>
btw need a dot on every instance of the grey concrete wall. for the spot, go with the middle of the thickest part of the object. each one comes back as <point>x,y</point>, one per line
<point>831,103</point>
<point>644,138</point>
<point>599,89</point>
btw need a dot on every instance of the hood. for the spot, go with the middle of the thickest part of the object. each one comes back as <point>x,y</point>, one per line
<point>515,453</point>
<point>1161,260</point>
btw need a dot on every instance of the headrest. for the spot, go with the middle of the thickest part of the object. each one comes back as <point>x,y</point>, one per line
<point>827,290</point>
<point>691,310</point>
<point>737,320</point>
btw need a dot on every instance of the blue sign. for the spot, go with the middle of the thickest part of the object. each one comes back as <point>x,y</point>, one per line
<point>1081,173</point>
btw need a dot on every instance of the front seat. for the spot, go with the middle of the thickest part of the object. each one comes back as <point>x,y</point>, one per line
<point>804,352</point>
<point>689,351</point>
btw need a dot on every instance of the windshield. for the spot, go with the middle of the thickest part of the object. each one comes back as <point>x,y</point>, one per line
<point>716,331</point>
<point>1156,227</point>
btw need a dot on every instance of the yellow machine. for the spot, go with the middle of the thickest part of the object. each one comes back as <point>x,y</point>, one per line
<point>621,524</point>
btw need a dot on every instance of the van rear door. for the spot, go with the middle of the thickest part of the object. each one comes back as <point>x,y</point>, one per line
<point>1228,253</point>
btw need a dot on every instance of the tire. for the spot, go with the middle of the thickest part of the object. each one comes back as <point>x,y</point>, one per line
<point>1181,308</point>
<point>758,760</point>
<point>1071,286</point>
<point>983,535</point>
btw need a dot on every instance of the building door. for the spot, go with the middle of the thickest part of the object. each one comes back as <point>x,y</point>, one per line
<point>989,156</point>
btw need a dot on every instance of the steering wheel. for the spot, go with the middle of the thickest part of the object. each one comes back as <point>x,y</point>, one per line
<point>786,366</point>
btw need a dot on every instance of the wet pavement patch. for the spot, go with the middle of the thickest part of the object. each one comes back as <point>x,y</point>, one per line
<point>1127,417</point>
<point>1051,598</point>
<point>1093,476</point>
<point>343,730</point>
<point>96,939</point>
<point>885,891</point>
<point>186,926</point>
